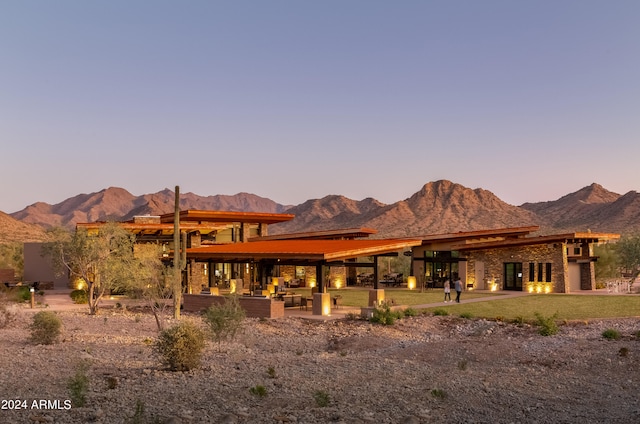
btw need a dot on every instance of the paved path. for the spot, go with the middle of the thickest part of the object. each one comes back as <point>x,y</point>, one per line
<point>59,300</point>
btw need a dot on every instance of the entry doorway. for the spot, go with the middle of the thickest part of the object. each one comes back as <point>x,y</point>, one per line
<point>513,276</point>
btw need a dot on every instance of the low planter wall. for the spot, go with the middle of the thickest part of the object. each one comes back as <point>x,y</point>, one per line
<point>254,307</point>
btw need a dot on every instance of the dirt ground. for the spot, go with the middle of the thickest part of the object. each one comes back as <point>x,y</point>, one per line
<point>423,369</point>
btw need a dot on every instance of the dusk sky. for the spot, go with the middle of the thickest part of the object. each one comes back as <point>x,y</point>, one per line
<point>295,100</point>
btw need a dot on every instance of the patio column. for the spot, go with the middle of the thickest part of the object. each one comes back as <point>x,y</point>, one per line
<point>319,283</point>
<point>375,273</point>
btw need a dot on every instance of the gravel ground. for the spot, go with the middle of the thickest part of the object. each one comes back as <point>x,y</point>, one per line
<point>420,370</point>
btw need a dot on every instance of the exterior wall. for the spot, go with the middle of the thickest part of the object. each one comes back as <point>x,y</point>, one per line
<point>197,279</point>
<point>338,277</point>
<point>587,276</point>
<point>254,307</point>
<point>309,277</point>
<point>288,272</point>
<point>7,275</point>
<point>494,259</point>
<point>39,268</point>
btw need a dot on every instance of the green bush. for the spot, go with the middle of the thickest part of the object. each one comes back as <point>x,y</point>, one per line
<point>322,398</point>
<point>22,294</point>
<point>45,328</point>
<point>78,386</point>
<point>180,347</point>
<point>438,393</point>
<point>611,334</point>
<point>548,325</point>
<point>410,312</point>
<point>258,390</point>
<point>225,320</point>
<point>466,315</point>
<point>384,315</point>
<point>440,312</point>
<point>79,296</point>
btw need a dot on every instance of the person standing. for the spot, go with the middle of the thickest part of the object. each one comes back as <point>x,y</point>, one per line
<point>458,287</point>
<point>447,290</point>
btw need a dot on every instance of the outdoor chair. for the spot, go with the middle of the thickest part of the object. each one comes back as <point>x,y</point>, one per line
<point>305,302</point>
<point>337,301</point>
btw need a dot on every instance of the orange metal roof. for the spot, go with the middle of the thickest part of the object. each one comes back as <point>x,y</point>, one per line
<point>309,250</point>
<point>228,216</point>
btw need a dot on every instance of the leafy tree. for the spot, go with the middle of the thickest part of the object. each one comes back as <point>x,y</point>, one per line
<point>607,266</point>
<point>152,281</point>
<point>103,260</point>
<point>11,256</point>
<point>628,249</point>
<point>224,320</point>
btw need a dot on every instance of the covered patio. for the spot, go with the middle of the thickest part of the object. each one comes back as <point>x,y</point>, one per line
<point>265,259</point>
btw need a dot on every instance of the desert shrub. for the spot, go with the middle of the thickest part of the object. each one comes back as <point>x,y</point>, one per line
<point>624,351</point>
<point>438,393</point>
<point>519,320</point>
<point>45,328</point>
<point>258,390</point>
<point>384,315</point>
<point>410,312</point>
<point>79,296</point>
<point>548,325</point>
<point>271,372</point>
<point>352,316</point>
<point>611,334</point>
<point>22,294</point>
<point>9,311</point>
<point>440,312</point>
<point>180,347</point>
<point>462,364</point>
<point>466,315</point>
<point>78,385</point>
<point>322,398</point>
<point>224,320</point>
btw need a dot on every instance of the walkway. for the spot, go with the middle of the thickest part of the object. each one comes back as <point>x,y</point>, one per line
<point>59,300</point>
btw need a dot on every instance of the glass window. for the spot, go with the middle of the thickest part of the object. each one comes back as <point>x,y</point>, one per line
<point>532,271</point>
<point>548,273</point>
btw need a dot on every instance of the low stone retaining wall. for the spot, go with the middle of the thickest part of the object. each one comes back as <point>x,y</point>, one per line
<point>254,307</point>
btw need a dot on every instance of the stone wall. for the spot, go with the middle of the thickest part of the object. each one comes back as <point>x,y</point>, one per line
<point>254,307</point>
<point>338,277</point>
<point>494,260</point>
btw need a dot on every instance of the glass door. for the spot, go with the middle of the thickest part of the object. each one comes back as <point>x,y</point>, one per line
<point>513,276</point>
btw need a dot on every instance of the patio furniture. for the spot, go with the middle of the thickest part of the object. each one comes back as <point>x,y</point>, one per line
<point>305,302</point>
<point>337,301</point>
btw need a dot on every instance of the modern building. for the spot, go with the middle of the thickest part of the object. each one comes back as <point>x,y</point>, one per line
<point>510,259</point>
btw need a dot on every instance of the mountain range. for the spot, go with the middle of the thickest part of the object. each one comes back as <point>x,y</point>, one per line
<point>438,207</point>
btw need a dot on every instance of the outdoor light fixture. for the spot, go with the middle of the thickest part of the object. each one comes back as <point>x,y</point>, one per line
<point>338,283</point>
<point>411,282</point>
<point>326,304</point>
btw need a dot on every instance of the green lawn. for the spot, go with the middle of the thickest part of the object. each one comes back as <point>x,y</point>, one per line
<point>360,297</point>
<point>570,307</point>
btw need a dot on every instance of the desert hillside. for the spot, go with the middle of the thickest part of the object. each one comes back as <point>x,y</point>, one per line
<point>438,207</point>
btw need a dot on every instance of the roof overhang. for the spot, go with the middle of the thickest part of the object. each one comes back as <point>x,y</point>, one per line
<point>501,233</point>
<point>300,250</point>
<point>586,237</point>
<point>227,216</point>
<point>348,233</point>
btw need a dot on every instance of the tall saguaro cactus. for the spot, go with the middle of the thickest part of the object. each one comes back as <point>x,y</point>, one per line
<point>179,258</point>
